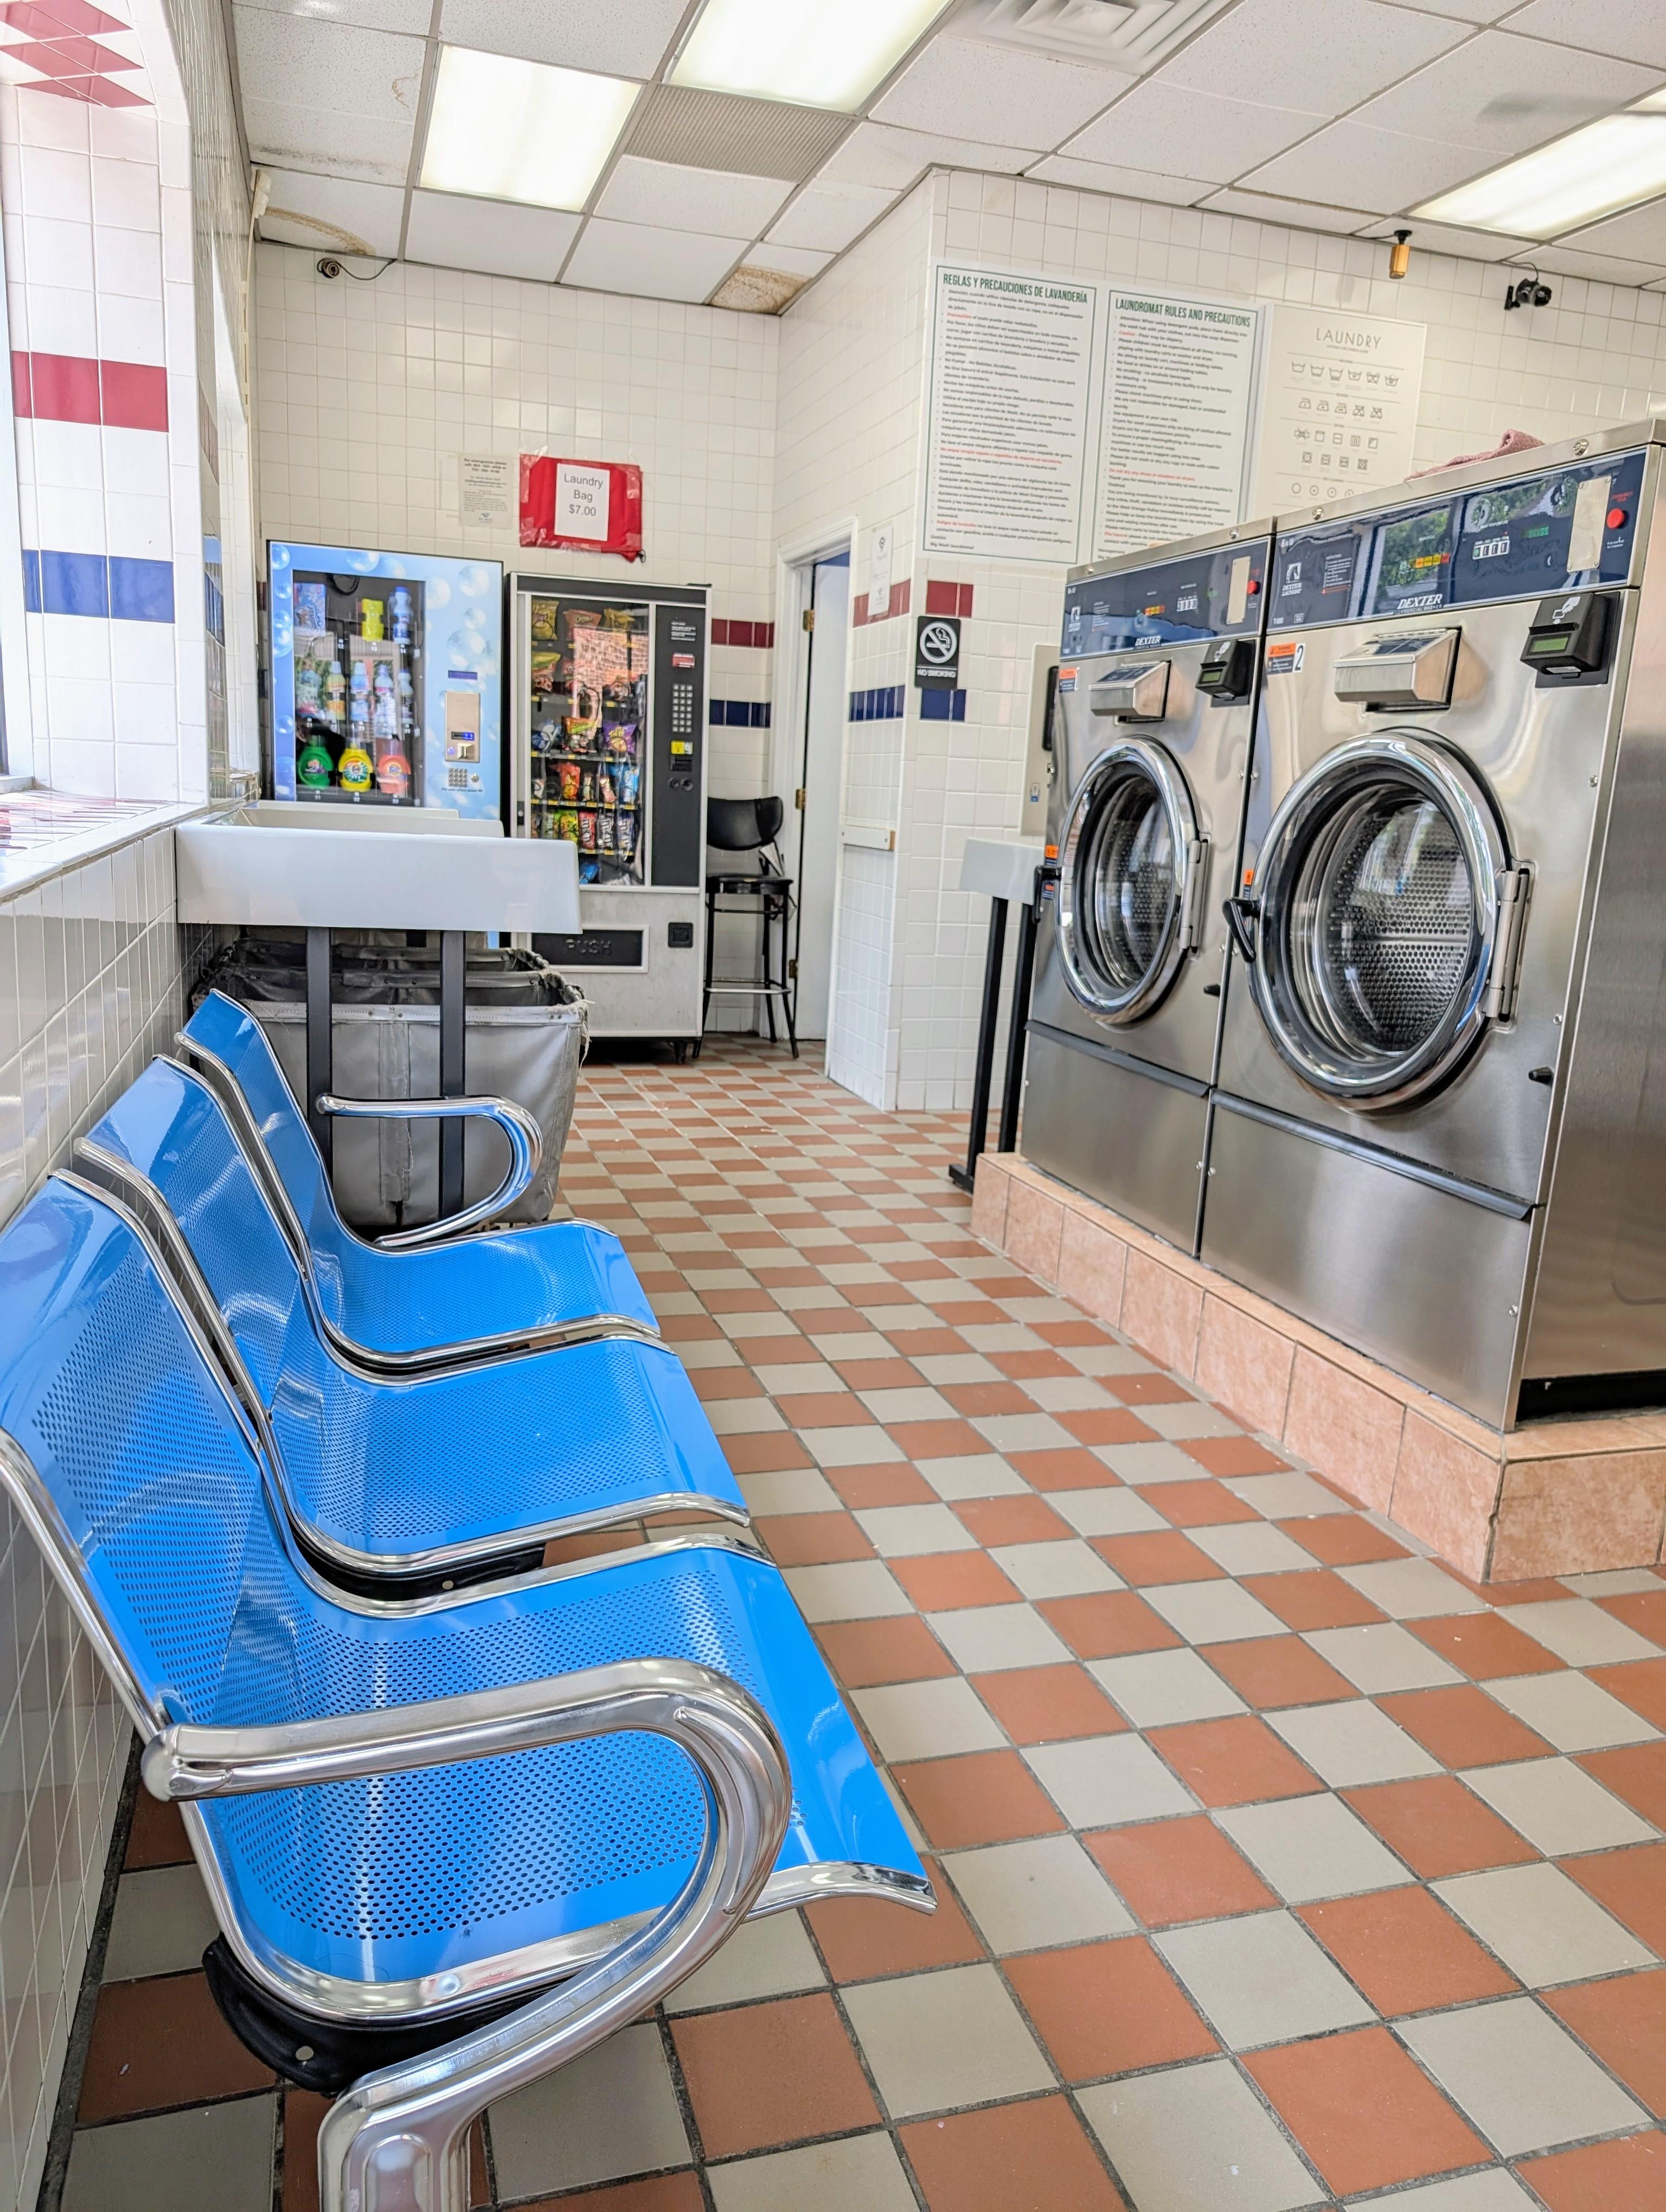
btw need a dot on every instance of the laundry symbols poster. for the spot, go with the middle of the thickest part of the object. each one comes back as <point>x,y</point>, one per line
<point>1339,417</point>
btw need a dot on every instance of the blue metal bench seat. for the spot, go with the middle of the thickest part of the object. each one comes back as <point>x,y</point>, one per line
<point>425,1477</point>
<point>555,1283</point>
<point>567,1793</point>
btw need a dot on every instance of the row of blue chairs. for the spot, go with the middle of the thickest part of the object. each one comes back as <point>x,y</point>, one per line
<point>459,1813</point>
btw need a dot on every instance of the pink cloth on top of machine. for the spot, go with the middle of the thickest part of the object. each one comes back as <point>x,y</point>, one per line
<point>1513,441</point>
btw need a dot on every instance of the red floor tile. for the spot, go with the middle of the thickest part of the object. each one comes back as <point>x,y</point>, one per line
<point>1406,1951</point>
<point>898,1648</point>
<point>1204,1504</point>
<point>1642,1610</point>
<point>1640,1684</point>
<point>1230,1456</point>
<point>1012,1521</point>
<point>781,2072</point>
<point>1030,2157</point>
<point>770,1453</point>
<point>1108,2008</point>
<point>159,2043</point>
<point>1485,1645</point>
<point>1623,2021</point>
<point>1155,1389</point>
<point>811,1539</point>
<point>1064,1467</point>
<point>1462,1727</point>
<point>1170,1871</point>
<point>1108,1625</point>
<point>945,1582</point>
<point>886,1482</point>
<point>1627,2176</point>
<point>1631,1884</point>
<point>1106,1424</point>
<point>982,1401</point>
<point>826,1409</point>
<point>1032,1366</point>
<point>1049,1704</point>
<point>866,1939</point>
<point>1233,1762</point>
<point>936,1439</point>
<point>1075,1335</point>
<point>980,1797</point>
<point>1635,1771</point>
<point>1439,1826</point>
<point>1314,1598</point>
<point>1343,1539</point>
<point>1364,2112</point>
<point>1268,1671</point>
<point>712,1384</point>
<point>1159,1556</point>
<point>157,1837</point>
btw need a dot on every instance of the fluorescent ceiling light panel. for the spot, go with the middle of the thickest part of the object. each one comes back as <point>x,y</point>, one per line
<point>1592,172</point>
<point>818,53</point>
<point>506,130</point>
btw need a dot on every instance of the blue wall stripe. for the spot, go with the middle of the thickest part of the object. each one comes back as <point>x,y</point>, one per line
<point>884,703</point>
<point>940,706</point>
<point>738,713</point>
<point>97,584</point>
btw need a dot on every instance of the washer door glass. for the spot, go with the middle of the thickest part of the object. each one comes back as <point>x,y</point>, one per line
<point>1126,869</point>
<point>1379,886</point>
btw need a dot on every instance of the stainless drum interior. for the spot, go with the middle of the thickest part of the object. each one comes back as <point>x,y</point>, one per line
<point>1378,890</point>
<point>1127,868</point>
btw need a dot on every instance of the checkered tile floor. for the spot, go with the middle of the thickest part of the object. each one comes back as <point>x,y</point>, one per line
<point>1277,1867</point>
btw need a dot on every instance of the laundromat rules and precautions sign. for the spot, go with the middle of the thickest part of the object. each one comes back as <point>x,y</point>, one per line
<point>937,651</point>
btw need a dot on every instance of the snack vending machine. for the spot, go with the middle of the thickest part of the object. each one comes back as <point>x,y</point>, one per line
<point>383,676</point>
<point>607,750</point>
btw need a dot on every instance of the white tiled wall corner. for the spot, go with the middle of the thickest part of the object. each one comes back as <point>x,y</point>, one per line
<point>91,987</point>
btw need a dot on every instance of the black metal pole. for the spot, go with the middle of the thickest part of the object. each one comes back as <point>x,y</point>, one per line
<point>985,1046</point>
<point>320,1037</point>
<point>1017,1034</point>
<point>453,1027</point>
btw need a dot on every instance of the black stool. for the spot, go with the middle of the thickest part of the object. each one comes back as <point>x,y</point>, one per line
<point>748,825</point>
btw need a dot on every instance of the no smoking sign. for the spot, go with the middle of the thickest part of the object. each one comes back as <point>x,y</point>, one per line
<point>937,651</point>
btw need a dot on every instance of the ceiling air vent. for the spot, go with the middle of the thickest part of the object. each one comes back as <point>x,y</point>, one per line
<point>723,130</point>
<point>1126,34</point>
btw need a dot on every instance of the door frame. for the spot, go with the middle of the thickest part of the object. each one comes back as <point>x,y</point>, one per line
<point>795,561</point>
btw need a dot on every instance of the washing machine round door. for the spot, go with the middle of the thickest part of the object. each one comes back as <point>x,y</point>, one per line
<point>1379,891</point>
<point>1129,865</point>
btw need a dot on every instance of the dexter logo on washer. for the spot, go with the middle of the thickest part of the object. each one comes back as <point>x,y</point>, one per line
<point>937,651</point>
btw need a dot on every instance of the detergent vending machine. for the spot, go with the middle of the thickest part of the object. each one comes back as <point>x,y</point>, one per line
<point>383,678</point>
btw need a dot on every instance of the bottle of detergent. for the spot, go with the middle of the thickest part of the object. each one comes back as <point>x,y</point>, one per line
<point>314,770</point>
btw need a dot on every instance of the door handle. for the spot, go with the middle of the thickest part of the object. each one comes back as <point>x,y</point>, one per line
<point>1244,920</point>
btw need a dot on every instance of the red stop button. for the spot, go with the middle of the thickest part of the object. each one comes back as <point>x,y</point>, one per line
<point>1616,515</point>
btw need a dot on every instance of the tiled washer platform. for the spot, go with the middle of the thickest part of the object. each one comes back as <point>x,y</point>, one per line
<point>1277,1867</point>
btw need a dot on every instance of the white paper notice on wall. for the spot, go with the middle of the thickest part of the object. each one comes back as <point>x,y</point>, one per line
<point>1175,444</point>
<point>486,487</point>
<point>878,572</point>
<point>1339,414</point>
<point>584,499</point>
<point>1006,438</point>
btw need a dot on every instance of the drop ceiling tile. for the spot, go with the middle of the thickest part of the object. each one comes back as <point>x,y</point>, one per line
<point>623,38</point>
<point>1352,166</point>
<point>1603,268</point>
<point>1127,184</point>
<point>1450,238</point>
<point>1298,215</point>
<point>337,66</point>
<point>1498,95</point>
<point>1635,30</point>
<point>317,138</point>
<point>667,195</point>
<point>1325,56</point>
<point>829,216</point>
<point>497,236</point>
<point>793,260</point>
<point>333,215</point>
<point>413,16</point>
<point>880,154</point>
<point>971,89</point>
<point>1640,234</point>
<point>751,290</point>
<point>663,264</point>
<point>1461,11</point>
<point>1165,128</point>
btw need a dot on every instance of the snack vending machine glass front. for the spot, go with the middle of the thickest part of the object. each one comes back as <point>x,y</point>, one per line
<point>588,719</point>
<point>383,678</point>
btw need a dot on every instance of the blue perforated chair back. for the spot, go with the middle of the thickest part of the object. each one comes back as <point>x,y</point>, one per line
<point>234,1038</point>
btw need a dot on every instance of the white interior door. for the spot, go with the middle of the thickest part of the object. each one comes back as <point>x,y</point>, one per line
<point>820,776</point>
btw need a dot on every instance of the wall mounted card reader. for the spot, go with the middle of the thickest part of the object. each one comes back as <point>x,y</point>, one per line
<point>1137,691</point>
<point>1402,669</point>
<point>1228,669</point>
<point>1568,636</point>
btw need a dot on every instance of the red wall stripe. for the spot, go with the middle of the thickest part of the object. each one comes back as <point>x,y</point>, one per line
<point>59,387</point>
<point>896,605</point>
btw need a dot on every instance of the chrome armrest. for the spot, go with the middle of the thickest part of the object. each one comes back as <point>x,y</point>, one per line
<point>397,2139</point>
<point>526,1141</point>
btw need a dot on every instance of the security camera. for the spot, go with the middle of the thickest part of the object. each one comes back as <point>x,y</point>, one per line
<point>328,267</point>
<point>1529,293</point>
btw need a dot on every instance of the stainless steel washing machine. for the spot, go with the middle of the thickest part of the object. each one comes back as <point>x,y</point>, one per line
<point>1150,735</point>
<point>1440,1128</point>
